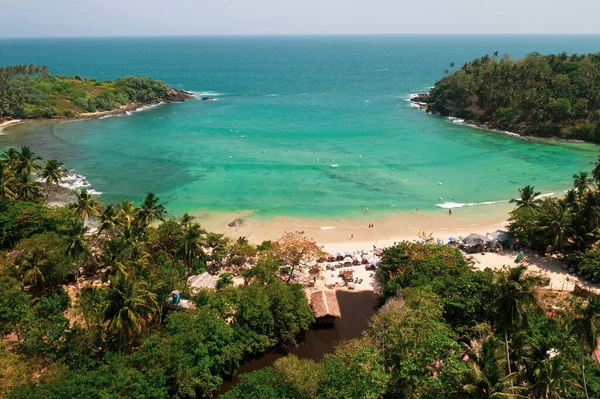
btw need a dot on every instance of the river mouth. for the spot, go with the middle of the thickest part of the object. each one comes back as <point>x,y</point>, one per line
<point>356,309</point>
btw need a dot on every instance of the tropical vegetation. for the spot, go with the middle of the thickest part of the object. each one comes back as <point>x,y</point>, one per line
<point>544,95</point>
<point>91,313</point>
<point>30,92</point>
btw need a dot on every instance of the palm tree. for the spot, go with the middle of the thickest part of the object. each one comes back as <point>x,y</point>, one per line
<point>53,172</point>
<point>11,157</point>
<point>581,182</point>
<point>26,188</point>
<point>85,206</point>
<point>151,210</point>
<point>108,218</point>
<point>529,197</point>
<point>554,222</point>
<point>191,244</point>
<point>78,247</point>
<point>552,378</point>
<point>486,375</point>
<point>26,162</point>
<point>585,328</point>
<point>7,181</point>
<point>128,307</point>
<point>186,220</point>
<point>514,290</point>
<point>127,213</point>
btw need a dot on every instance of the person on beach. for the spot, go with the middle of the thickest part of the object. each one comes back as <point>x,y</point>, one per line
<point>449,211</point>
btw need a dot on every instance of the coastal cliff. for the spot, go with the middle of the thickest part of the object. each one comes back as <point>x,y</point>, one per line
<point>30,92</point>
<point>547,96</point>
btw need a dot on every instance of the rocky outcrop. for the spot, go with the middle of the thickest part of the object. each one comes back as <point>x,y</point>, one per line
<point>177,96</point>
<point>236,223</point>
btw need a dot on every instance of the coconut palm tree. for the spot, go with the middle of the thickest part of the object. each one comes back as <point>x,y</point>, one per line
<point>78,246</point>
<point>127,213</point>
<point>128,306</point>
<point>586,327</point>
<point>151,210</point>
<point>191,244</point>
<point>186,220</point>
<point>581,183</point>
<point>529,197</point>
<point>485,376</point>
<point>553,378</point>
<point>515,294</point>
<point>27,162</point>
<point>108,218</point>
<point>26,188</point>
<point>11,157</point>
<point>53,172</point>
<point>85,206</point>
<point>554,222</point>
<point>7,181</point>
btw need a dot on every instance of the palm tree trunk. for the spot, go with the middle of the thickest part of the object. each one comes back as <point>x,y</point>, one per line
<point>583,375</point>
<point>507,355</point>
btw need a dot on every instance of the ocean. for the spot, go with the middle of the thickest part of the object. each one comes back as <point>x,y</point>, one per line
<point>302,126</point>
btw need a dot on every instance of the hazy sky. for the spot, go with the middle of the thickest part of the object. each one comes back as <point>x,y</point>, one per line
<point>27,18</point>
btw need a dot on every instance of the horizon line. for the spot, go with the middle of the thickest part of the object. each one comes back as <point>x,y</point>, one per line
<point>222,35</point>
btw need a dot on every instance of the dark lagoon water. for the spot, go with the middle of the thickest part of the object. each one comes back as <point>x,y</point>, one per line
<point>356,309</point>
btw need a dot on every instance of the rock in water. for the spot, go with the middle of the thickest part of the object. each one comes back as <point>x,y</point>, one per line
<point>236,223</point>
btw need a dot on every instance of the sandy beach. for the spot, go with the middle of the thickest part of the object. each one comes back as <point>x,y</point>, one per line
<point>9,123</point>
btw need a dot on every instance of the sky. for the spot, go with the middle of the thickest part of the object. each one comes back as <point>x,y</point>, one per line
<point>76,18</point>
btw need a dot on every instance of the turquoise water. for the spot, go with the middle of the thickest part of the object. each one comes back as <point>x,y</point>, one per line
<point>302,126</point>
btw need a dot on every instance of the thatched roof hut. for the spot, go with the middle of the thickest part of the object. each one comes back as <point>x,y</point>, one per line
<point>325,306</point>
<point>204,280</point>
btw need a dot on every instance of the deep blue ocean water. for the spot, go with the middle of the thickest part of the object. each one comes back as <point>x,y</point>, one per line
<point>309,126</point>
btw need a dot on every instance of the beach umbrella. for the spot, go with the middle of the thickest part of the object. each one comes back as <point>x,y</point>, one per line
<point>451,239</point>
<point>366,257</point>
<point>357,258</point>
<point>475,239</point>
<point>347,259</point>
<point>373,262</point>
<point>338,254</point>
<point>348,253</point>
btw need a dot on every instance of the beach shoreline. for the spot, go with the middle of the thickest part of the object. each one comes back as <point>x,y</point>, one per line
<point>354,232</point>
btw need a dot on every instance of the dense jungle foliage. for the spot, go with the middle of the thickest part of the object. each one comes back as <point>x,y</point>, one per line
<point>546,95</point>
<point>29,91</point>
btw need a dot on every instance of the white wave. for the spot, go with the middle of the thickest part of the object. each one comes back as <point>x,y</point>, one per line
<point>199,94</point>
<point>144,108</point>
<point>334,165</point>
<point>411,96</point>
<point>415,105</point>
<point>272,95</point>
<point>381,70</point>
<point>327,228</point>
<point>458,121</point>
<point>74,181</point>
<point>452,205</point>
<point>544,195</point>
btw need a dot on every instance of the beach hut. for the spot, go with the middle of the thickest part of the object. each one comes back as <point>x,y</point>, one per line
<point>325,306</point>
<point>204,280</point>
